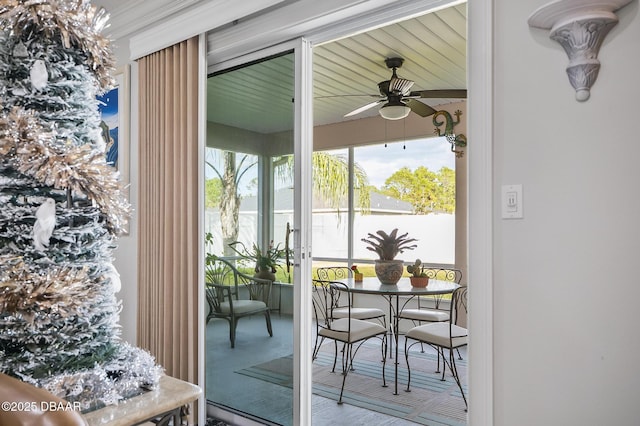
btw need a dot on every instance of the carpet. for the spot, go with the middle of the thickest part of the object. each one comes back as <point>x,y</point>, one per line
<point>216,422</point>
<point>431,401</point>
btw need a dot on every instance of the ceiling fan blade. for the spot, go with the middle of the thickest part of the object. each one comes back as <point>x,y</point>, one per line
<point>423,110</point>
<point>445,93</point>
<point>364,108</point>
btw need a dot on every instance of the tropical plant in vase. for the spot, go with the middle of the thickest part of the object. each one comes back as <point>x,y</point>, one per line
<point>387,247</point>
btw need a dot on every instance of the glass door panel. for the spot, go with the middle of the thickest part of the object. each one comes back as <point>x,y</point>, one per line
<point>249,206</point>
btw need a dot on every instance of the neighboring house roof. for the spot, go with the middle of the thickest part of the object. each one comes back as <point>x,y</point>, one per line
<point>283,201</point>
<point>385,204</point>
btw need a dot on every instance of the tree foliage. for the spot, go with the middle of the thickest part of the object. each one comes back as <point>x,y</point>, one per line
<point>212,192</point>
<point>331,180</point>
<point>427,191</point>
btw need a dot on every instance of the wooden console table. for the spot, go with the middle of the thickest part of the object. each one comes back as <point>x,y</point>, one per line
<point>163,403</point>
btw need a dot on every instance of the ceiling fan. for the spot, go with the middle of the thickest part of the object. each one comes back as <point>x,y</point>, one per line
<point>399,98</point>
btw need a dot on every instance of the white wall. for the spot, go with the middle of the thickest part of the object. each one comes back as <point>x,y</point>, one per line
<point>126,254</point>
<point>566,278</point>
<point>435,234</point>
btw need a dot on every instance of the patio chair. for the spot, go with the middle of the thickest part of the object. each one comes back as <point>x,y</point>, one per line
<point>341,309</point>
<point>442,335</point>
<point>349,331</point>
<point>232,295</point>
<point>423,314</point>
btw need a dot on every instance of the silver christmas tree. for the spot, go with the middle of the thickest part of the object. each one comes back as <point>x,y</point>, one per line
<point>62,208</point>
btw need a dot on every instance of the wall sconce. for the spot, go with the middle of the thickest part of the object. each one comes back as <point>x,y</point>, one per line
<point>580,27</point>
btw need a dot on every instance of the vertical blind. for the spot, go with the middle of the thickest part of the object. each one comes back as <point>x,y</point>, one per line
<point>168,208</point>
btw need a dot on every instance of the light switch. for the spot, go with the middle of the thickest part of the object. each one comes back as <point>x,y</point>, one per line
<point>512,202</point>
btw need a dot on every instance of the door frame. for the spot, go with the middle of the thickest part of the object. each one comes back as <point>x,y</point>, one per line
<point>480,187</point>
<point>480,15</point>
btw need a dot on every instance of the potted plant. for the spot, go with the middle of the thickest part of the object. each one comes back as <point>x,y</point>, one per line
<point>418,278</point>
<point>210,258</point>
<point>387,246</point>
<point>266,261</point>
<point>357,275</point>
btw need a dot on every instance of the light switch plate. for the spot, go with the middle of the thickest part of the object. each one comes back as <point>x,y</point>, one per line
<point>512,202</point>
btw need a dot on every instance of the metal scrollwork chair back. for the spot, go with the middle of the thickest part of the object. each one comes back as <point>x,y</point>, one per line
<point>444,274</point>
<point>338,273</point>
<point>333,273</point>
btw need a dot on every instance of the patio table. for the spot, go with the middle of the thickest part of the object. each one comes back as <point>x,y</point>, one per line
<point>371,285</point>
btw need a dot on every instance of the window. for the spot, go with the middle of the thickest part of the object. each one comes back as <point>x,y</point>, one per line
<point>412,188</point>
<point>407,185</point>
<point>330,233</point>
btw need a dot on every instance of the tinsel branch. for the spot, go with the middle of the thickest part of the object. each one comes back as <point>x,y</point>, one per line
<point>123,377</point>
<point>36,153</point>
<point>76,22</point>
<point>62,289</point>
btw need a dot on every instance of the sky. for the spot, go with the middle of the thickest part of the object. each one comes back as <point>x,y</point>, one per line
<point>380,162</point>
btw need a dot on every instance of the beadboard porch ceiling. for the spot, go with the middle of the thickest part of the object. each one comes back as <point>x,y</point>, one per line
<point>433,46</point>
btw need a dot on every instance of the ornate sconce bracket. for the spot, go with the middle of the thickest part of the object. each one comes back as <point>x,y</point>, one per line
<point>580,27</point>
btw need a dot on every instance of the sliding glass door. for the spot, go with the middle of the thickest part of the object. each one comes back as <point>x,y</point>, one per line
<point>253,168</point>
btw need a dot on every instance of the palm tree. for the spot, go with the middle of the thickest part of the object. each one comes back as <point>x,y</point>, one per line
<point>330,183</point>
<point>331,180</point>
<point>230,198</point>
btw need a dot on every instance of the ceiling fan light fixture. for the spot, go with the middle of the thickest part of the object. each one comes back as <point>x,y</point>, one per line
<point>394,111</point>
